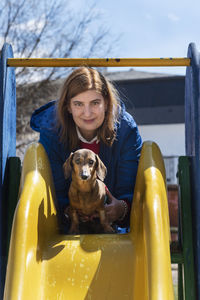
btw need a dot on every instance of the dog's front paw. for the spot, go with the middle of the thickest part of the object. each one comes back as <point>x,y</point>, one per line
<point>73,230</point>
<point>108,228</point>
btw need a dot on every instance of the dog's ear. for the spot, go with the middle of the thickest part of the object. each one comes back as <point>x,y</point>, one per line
<point>101,169</point>
<point>67,167</point>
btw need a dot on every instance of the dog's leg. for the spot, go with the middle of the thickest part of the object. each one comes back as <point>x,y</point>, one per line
<point>74,228</point>
<point>104,222</point>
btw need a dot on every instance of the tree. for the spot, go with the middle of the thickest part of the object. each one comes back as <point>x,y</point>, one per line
<point>48,28</point>
<point>40,28</point>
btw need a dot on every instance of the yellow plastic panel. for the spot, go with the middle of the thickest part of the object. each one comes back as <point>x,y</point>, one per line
<point>43,264</point>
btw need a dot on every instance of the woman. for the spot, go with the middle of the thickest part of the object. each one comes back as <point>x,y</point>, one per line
<point>89,115</point>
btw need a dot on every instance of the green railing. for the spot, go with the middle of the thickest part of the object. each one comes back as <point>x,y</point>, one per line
<point>183,253</point>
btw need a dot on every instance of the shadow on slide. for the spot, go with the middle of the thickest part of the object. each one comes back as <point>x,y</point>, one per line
<point>43,264</point>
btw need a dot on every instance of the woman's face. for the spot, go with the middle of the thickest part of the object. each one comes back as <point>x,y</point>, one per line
<point>88,112</point>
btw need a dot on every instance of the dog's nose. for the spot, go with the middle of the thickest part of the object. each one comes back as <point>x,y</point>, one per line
<point>84,177</point>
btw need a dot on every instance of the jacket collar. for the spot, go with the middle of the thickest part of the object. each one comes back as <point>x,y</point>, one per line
<point>82,139</point>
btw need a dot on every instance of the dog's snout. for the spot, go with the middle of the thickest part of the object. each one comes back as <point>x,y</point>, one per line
<point>85,173</point>
<point>84,177</point>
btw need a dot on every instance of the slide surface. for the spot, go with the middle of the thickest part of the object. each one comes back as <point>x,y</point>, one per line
<point>43,264</point>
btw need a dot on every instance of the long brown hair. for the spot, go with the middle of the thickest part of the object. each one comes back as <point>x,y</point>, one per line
<point>81,80</point>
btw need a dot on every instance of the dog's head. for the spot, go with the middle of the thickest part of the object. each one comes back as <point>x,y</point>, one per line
<point>85,164</point>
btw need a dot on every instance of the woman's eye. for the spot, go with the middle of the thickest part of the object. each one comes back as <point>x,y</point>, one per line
<point>78,104</point>
<point>96,103</point>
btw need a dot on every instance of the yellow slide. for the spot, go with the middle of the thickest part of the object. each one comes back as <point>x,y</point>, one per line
<point>45,265</point>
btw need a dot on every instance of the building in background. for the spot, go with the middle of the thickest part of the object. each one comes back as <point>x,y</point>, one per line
<point>156,101</point>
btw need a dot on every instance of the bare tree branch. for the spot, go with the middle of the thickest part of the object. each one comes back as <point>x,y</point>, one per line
<point>41,28</point>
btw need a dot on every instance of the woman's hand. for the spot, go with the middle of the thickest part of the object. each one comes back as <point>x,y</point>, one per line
<point>115,209</point>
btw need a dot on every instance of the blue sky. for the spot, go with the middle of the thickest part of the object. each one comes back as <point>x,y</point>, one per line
<point>151,28</point>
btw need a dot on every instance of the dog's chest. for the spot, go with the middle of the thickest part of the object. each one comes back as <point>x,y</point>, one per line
<point>85,202</point>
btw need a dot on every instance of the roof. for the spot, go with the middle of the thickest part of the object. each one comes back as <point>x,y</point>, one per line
<point>132,74</point>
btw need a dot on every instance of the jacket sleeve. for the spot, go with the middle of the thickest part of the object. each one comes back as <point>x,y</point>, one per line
<point>54,152</point>
<point>128,158</point>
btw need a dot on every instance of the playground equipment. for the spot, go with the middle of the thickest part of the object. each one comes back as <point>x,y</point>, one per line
<point>43,264</point>
<point>136,265</point>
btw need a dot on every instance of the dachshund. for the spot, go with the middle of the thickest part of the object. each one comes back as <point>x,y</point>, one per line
<point>87,192</point>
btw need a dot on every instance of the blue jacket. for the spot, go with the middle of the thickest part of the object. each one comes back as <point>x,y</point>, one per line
<point>121,159</point>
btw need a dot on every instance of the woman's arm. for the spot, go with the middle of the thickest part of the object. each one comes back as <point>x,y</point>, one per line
<point>130,144</point>
<point>55,155</point>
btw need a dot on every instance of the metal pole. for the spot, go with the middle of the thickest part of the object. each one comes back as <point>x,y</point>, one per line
<point>98,62</point>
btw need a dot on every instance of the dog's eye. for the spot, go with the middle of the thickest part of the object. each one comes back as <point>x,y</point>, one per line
<point>77,161</point>
<point>91,162</point>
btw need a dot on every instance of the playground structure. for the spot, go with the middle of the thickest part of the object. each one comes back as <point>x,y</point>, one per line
<point>44,264</point>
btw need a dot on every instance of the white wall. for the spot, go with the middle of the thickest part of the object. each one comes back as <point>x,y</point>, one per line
<point>170,137</point>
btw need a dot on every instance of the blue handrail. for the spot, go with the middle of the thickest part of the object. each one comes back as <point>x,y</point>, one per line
<point>192,139</point>
<point>7,141</point>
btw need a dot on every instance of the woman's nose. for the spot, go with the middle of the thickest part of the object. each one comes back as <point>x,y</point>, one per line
<point>87,111</point>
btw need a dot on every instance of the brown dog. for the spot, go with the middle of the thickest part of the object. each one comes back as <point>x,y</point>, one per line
<point>86,193</point>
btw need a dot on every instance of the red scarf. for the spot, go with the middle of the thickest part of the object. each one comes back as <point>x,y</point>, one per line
<point>95,147</point>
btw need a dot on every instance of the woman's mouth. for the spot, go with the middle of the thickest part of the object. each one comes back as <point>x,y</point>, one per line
<point>88,121</point>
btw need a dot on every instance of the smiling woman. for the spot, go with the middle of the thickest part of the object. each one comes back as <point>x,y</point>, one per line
<point>89,99</point>
<point>90,115</point>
